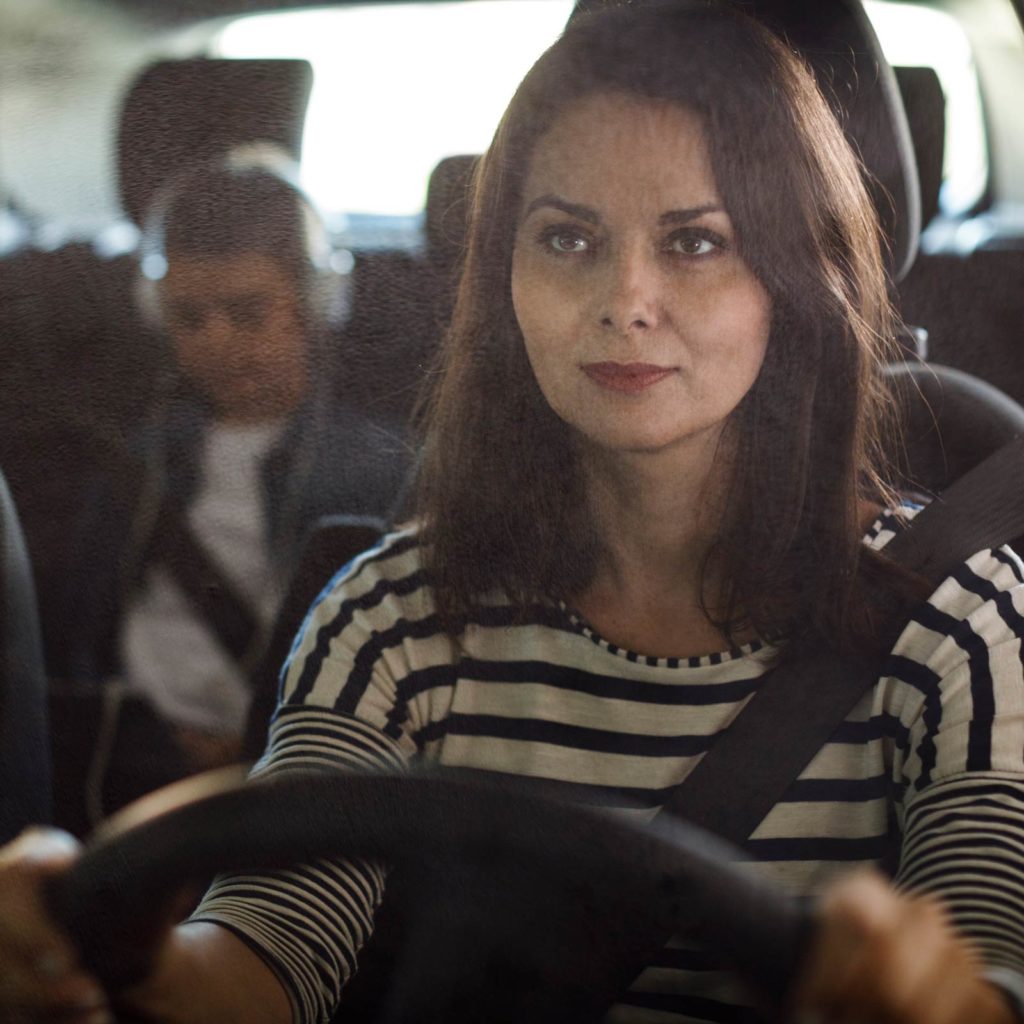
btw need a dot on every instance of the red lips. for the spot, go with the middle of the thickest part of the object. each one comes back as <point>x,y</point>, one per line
<point>630,378</point>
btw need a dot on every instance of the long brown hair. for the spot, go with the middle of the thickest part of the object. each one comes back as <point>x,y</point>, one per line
<point>500,490</point>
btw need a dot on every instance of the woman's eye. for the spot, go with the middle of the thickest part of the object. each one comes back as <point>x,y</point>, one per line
<point>566,241</point>
<point>690,243</point>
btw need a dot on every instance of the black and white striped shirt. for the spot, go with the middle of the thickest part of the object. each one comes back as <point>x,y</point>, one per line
<point>934,750</point>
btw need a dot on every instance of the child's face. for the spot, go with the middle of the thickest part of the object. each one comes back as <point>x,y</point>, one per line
<point>236,325</point>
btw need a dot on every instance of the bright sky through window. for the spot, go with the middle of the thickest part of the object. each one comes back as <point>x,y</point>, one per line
<point>399,86</point>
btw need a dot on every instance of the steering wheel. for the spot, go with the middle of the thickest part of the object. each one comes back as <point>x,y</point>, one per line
<point>526,907</point>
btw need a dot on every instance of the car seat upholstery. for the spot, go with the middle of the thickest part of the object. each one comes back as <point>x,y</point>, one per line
<point>384,347</point>
<point>402,302</point>
<point>973,307</point>
<point>925,106</point>
<point>937,402</point>
<point>971,300</point>
<point>77,371</point>
<point>180,111</point>
<point>445,225</point>
<point>25,795</point>
<point>953,419</point>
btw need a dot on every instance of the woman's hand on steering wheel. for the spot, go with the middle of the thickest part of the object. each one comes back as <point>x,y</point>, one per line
<point>40,977</point>
<point>883,957</point>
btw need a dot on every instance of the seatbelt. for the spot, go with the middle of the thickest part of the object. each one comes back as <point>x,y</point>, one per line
<point>798,707</point>
<point>213,596</point>
<point>778,732</point>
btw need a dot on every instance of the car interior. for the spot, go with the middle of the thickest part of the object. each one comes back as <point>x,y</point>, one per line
<point>101,99</point>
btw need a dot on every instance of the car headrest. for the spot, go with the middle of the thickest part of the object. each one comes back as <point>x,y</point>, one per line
<point>25,784</point>
<point>447,209</point>
<point>836,39</point>
<point>180,111</point>
<point>925,104</point>
<point>951,421</point>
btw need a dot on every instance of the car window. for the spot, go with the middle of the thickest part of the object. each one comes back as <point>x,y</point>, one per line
<point>396,88</point>
<point>391,97</point>
<point>916,36</point>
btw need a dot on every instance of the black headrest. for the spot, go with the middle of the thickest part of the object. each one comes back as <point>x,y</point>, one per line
<point>925,104</point>
<point>447,210</point>
<point>952,420</point>
<point>180,111</point>
<point>25,795</point>
<point>838,42</point>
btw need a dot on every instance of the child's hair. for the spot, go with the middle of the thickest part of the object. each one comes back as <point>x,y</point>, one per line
<point>246,200</point>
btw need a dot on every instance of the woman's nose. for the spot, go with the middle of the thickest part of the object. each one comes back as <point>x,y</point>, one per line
<point>630,301</point>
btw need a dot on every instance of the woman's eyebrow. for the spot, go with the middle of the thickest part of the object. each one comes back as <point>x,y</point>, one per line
<point>572,209</point>
<point>688,213</point>
<point>591,216</point>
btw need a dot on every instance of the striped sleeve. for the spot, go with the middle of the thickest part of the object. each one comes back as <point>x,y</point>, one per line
<point>372,627</point>
<point>309,923</point>
<point>964,842</point>
<point>963,772</point>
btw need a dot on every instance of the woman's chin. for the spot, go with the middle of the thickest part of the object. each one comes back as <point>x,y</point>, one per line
<point>647,439</point>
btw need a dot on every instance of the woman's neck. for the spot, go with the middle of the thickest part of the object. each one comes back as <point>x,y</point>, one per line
<point>656,515</point>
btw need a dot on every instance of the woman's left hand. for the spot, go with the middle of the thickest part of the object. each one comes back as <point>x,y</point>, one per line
<point>881,957</point>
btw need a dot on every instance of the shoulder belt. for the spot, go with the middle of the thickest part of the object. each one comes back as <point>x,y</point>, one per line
<point>791,717</point>
<point>214,598</point>
<point>800,705</point>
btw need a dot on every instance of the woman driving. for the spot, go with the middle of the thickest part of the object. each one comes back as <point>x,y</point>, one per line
<point>653,472</point>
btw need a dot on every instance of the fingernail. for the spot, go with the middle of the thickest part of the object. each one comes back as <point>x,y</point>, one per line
<point>52,966</point>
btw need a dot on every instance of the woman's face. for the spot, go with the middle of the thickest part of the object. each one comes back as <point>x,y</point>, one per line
<point>644,326</point>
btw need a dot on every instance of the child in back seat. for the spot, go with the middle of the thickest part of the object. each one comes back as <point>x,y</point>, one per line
<point>186,554</point>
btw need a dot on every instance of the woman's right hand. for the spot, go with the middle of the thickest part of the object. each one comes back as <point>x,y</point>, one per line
<point>40,976</point>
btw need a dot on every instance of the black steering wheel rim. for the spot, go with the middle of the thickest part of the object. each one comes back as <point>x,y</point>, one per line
<point>514,849</point>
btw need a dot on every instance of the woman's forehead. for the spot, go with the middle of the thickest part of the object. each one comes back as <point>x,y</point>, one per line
<point>612,148</point>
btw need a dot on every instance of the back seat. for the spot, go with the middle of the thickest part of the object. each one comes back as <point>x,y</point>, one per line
<point>402,302</point>
<point>971,302</point>
<point>81,366</point>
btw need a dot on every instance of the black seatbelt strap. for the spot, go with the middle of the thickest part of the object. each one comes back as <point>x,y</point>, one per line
<point>800,705</point>
<point>790,718</point>
<point>982,509</point>
<point>213,596</point>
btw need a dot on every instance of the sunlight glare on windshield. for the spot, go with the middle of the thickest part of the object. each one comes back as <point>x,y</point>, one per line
<point>399,86</point>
